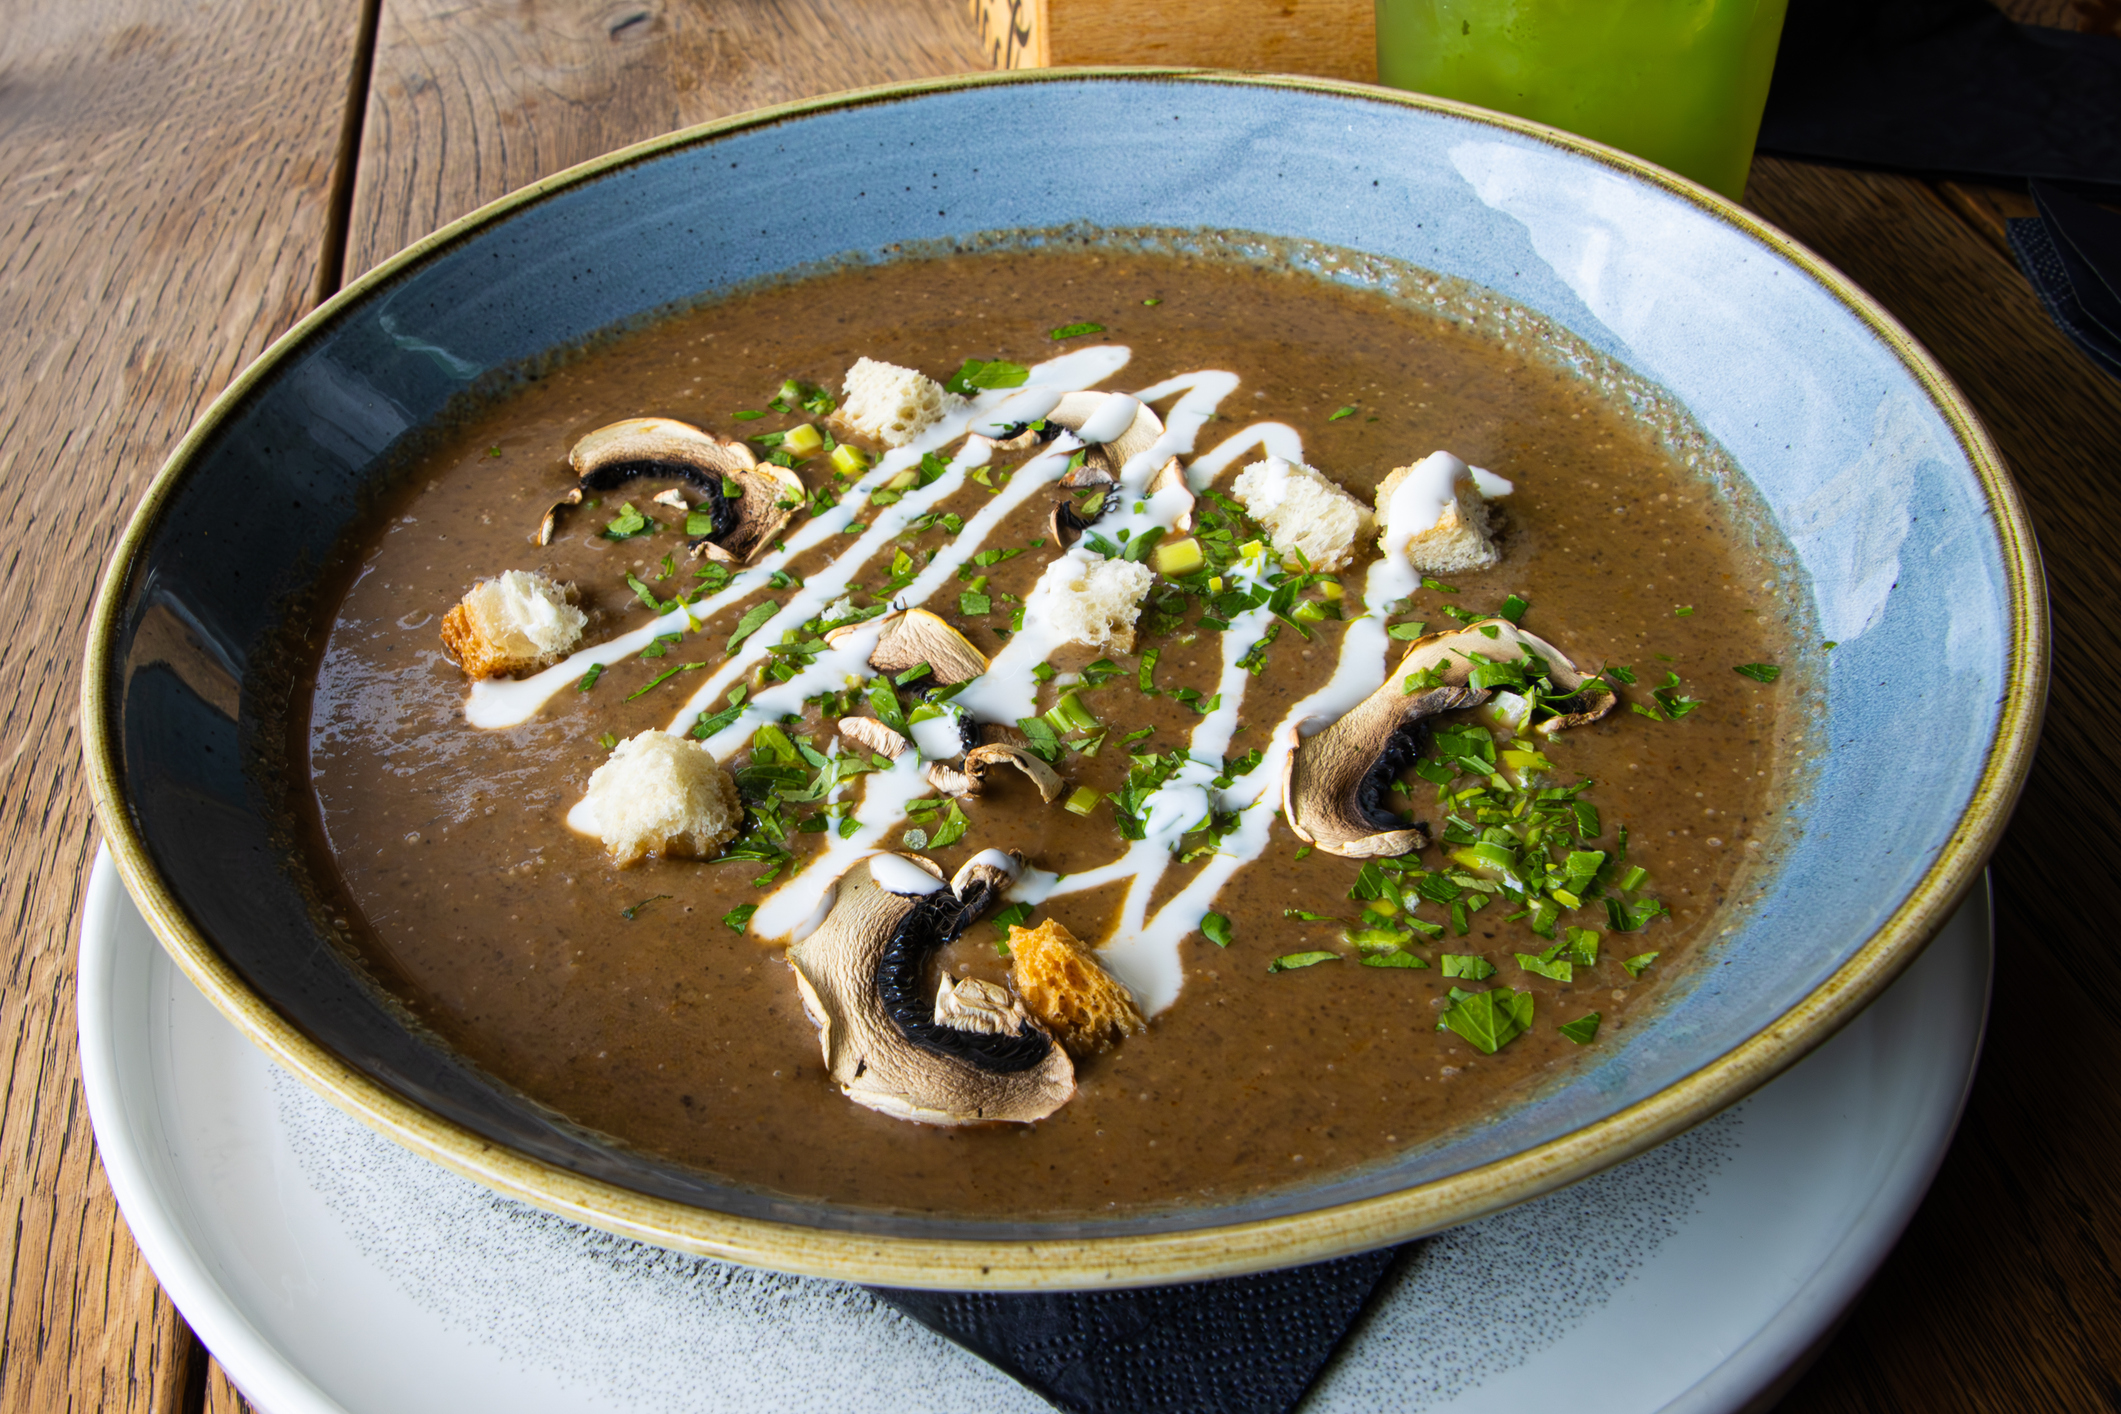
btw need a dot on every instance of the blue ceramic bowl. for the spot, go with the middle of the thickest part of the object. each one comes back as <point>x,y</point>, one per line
<point>1912,544</point>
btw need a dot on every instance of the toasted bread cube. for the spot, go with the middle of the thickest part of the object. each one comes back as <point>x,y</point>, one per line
<point>511,623</point>
<point>1303,510</point>
<point>663,795</point>
<point>1461,538</point>
<point>1088,599</point>
<point>891,404</point>
<point>1065,987</point>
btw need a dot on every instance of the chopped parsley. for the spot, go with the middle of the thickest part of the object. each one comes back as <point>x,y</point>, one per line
<point>628,523</point>
<point>754,619</point>
<point>1582,1029</point>
<point>589,679</point>
<point>1639,964</point>
<point>660,678</point>
<point>635,911</point>
<point>975,374</point>
<point>1758,672</point>
<point>1477,969</point>
<point>737,917</point>
<point>1216,929</point>
<point>1074,331</point>
<point>1488,1020</point>
<point>1337,416</point>
<point>1289,962</point>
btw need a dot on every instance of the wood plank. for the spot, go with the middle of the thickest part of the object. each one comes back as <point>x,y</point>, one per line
<point>2002,1296</point>
<point>165,196</point>
<point>1331,38</point>
<point>471,101</point>
<point>222,1397</point>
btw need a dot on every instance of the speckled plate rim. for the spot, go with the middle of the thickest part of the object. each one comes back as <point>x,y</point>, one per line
<point>1146,1259</point>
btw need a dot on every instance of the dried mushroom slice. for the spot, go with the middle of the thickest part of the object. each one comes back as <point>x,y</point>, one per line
<point>911,637</point>
<point>870,733</point>
<point>1117,427</point>
<point>972,1055</point>
<point>1336,785</point>
<point>766,496</point>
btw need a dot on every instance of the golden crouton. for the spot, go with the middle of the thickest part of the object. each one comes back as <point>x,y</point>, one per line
<point>513,622</point>
<point>1063,984</point>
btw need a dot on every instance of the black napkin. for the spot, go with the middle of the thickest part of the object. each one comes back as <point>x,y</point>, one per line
<point>1244,1345</point>
<point>1946,88</point>
<point>2072,254</point>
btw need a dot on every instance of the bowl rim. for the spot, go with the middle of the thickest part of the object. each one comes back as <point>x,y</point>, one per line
<point>1139,1259</point>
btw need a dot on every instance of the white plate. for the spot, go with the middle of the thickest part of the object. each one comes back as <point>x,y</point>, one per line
<point>328,1269</point>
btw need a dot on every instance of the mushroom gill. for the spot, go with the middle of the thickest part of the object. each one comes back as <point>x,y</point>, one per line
<point>972,1055</point>
<point>1335,784</point>
<point>767,496</point>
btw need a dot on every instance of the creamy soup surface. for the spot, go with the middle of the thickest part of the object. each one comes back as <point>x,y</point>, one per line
<point>654,1002</point>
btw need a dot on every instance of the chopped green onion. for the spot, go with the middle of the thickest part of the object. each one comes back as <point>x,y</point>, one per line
<point>1083,800</point>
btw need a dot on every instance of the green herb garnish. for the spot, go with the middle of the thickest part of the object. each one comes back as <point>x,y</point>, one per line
<point>1216,929</point>
<point>1072,331</point>
<point>737,917</point>
<point>1639,964</point>
<point>1344,412</point>
<point>634,911</point>
<point>1582,1029</point>
<point>1488,1020</point>
<point>589,679</point>
<point>995,373</point>
<point>1758,672</point>
<point>659,679</point>
<point>754,619</point>
<point>627,524</point>
<point>1477,969</point>
<point>1289,962</point>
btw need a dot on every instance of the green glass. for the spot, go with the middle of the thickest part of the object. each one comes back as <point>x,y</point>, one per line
<point>1680,82</point>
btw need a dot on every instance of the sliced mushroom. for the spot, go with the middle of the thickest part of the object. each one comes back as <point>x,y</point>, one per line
<point>869,732</point>
<point>908,638</point>
<point>983,759</point>
<point>1334,785</point>
<point>661,446</point>
<point>969,1057</point>
<point>673,498</point>
<point>1097,419</point>
<point>1171,476</point>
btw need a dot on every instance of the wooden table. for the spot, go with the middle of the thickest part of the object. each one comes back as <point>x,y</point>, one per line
<point>183,180</point>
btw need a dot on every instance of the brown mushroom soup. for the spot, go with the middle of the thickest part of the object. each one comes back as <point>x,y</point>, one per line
<point>1363,707</point>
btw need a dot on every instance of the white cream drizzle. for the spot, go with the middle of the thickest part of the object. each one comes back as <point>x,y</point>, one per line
<point>1144,949</point>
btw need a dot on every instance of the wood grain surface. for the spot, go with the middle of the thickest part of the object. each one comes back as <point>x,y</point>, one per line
<point>2003,1294</point>
<point>472,100</point>
<point>165,198</point>
<point>171,208</point>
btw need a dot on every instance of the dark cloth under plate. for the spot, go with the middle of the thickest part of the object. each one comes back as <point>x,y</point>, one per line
<point>1946,88</point>
<point>1245,1345</point>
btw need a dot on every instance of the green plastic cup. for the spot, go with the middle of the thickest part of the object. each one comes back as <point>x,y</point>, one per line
<point>1680,82</point>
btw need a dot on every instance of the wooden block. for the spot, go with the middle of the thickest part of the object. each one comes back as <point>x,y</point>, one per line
<point>1329,38</point>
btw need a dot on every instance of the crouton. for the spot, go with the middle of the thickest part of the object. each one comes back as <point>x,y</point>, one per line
<point>1433,513</point>
<point>511,623</point>
<point>1088,599</point>
<point>660,794</point>
<point>891,404</point>
<point>1065,987</point>
<point>1303,510</point>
